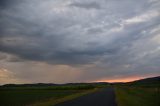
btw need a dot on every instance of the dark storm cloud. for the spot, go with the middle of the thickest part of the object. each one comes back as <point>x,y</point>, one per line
<point>109,34</point>
<point>41,53</point>
<point>86,5</point>
<point>6,3</point>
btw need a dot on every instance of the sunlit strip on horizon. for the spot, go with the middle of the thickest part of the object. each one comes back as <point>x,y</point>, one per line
<point>127,79</point>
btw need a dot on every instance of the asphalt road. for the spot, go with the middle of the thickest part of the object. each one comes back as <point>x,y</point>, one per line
<point>105,97</point>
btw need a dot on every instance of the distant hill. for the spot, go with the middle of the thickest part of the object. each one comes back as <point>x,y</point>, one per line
<point>29,85</point>
<point>148,80</point>
<point>153,81</point>
<point>52,84</point>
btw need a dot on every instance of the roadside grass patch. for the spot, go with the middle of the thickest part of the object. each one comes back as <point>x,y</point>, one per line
<point>137,96</point>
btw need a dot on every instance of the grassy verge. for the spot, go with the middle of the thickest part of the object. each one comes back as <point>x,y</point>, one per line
<point>135,96</point>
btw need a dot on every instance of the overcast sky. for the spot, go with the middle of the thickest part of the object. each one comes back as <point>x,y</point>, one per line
<point>62,41</point>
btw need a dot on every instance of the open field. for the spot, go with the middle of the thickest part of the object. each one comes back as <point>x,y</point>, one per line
<point>137,96</point>
<point>145,92</point>
<point>22,96</point>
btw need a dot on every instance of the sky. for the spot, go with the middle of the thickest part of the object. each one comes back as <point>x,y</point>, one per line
<point>69,41</point>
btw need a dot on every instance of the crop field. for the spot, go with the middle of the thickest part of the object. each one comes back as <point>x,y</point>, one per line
<point>28,96</point>
<point>138,96</point>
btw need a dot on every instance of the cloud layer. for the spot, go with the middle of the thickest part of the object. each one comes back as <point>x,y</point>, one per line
<point>101,39</point>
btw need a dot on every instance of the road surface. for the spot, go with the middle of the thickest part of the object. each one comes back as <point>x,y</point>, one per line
<point>105,97</point>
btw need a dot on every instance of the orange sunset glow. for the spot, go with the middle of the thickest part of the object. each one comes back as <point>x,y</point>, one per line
<point>127,79</point>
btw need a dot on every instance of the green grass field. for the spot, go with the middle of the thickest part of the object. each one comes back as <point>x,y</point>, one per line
<point>24,96</point>
<point>127,94</point>
<point>138,96</point>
